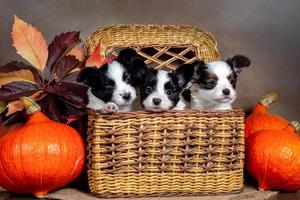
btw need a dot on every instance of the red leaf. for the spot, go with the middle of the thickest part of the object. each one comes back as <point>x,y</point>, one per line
<point>67,64</point>
<point>59,47</point>
<point>14,90</point>
<point>17,66</point>
<point>29,43</point>
<point>78,53</point>
<point>95,59</point>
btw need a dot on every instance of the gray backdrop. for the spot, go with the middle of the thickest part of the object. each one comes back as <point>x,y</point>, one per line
<point>265,30</point>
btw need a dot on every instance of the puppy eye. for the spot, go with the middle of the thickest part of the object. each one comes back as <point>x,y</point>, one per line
<point>109,83</point>
<point>148,89</point>
<point>212,82</point>
<point>126,78</point>
<point>169,92</point>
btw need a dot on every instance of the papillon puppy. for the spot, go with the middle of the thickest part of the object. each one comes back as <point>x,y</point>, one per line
<point>212,85</point>
<point>113,86</point>
<point>161,91</point>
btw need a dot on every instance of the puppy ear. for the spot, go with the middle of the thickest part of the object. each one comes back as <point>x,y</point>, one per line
<point>138,72</point>
<point>127,56</point>
<point>88,76</point>
<point>238,61</point>
<point>199,66</point>
<point>184,74</point>
<point>134,64</point>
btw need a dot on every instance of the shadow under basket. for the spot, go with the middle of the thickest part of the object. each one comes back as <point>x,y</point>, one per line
<point>173,153</point>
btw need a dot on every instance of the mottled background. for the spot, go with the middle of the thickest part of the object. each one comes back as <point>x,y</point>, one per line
<point>265,30</point>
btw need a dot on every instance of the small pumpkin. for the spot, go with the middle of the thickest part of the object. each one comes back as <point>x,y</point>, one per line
<point>261,119</point>
<point>41,156</point>
<point>273,158</point>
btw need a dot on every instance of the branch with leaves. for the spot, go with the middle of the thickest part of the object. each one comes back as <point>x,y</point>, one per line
<point>49,77</point>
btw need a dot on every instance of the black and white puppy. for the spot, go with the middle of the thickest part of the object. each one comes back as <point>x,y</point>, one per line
<point>212,85</point>
<point>112,87</point>
<point>161,91</point>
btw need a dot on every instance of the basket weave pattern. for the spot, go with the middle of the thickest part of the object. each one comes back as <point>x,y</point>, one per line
<point>192,152</point>
<point>163,154</point>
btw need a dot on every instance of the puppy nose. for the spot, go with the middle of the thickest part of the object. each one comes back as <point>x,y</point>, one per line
<point>226,91</point>
<point>156,101</point>
<point>126,96</point>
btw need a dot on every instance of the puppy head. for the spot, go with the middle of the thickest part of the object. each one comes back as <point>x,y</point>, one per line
<point>215,81</point>
<point>110,83</point>
<point>160,90</point>
<point>134,64</point>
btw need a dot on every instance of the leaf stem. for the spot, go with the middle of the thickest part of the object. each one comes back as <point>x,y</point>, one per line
<point>268,99</point>
<point>3,106</point>
<point>30,105</point>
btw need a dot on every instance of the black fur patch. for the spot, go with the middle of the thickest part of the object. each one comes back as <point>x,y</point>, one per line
<point>134,64</point>
<point>186,94</point>
<point>103,87</point>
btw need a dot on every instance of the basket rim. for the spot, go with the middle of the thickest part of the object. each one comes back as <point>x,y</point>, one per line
<point>236,112</point>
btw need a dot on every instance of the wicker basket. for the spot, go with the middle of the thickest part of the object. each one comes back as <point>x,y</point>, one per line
<point>189,152</point>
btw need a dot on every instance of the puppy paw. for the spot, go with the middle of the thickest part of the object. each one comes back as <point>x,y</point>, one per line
<point>110,108</point>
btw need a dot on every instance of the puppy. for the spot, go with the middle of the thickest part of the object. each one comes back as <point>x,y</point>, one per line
<point>161,91</point>
<point>212,85</point>
<point>112,87</point>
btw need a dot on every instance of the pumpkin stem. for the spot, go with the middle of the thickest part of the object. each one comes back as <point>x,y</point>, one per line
<point>3,106</point>
<point>268,99</point>
<point>295,125</point>
<point>30,105</point>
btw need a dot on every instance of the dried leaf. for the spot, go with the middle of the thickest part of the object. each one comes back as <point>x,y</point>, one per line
<point>14,106</point>
<point>59,47</point>
<point>21,75</point>
<point>18,116</point>
<point>95,58</point>
<point>67,64</point>
<point>78,53</point>
<point>72,84</point>
<point>53,108</point>
<point>17,66</point>
<point>72,77</point>
<point>29,43</point>
<point>69,95</point>
<point>14,90</point>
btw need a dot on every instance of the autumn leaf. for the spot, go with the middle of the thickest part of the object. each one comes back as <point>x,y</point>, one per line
<point>95,58</point>
<point>14,90</point>
<point>29,43</point>
<point>21,75</point>
<point>78,53</point>
<point>60,47</point>
<point>17,66</point>
<point>67,64</point>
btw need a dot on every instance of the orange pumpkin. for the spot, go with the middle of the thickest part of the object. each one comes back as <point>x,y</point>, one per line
<point>261,119</point>
<point>41,156</point>
<point>273,158</point>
